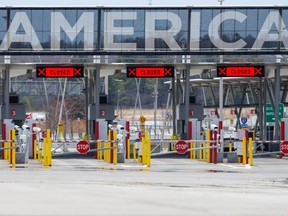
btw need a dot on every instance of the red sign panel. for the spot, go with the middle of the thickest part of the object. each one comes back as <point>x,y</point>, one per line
<point>83,147</point>
<point>150,72</point>
<point>284,147</point>
<point>240,71</point>
<point>60,72</point>
<point>181,147</point>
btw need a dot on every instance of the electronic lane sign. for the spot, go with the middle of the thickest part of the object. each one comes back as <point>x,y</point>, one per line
<point>150,72</point>
<point>240,71</point>
<point>59,71</point>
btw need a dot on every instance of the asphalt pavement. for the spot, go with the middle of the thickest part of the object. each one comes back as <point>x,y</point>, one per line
<point>171,186</point>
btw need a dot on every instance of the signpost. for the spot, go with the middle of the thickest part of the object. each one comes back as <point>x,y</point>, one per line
<point>150,72</point>
<point>270,116</point>
<point>59,71</point>
<point>240,71</point>
<point>284,147</point>
<point>181,147</point>
<point>83,147</point>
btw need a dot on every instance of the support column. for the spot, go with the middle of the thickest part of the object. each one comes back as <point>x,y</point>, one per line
<point>276,101</point>
<point>260,109</point>
<point>187,97</point>
<point>97,91</point>
<point>6,93</point>
<point>86,79</point>
<point>173,106</point>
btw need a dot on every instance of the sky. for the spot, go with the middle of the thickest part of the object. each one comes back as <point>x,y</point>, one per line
<point>139,2</point>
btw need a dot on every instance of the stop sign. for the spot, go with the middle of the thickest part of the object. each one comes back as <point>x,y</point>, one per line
<point>284,147</point>
<point>83,147</point>
<point>181,146</point>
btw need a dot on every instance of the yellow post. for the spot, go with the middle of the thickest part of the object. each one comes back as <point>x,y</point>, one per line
<point>13,153</point>
<point>194,151</point>
<point>201,152</point>
<point>230,147</point>
<point>190,152</point>
<point>49,148</point>
<point>144,150</point>
<point>208,145</point>
<point>39,153</point>
<point>134,151</point>
<point>98,147</point>
<point>35,149</point>
<point>44,151</point>
<point>101,152</point>
<point>115,145</point>
<point>115,153</point>
<point>250,152</point>
<point>9,144</point>
<point>128,150</point>
<point>244,150</point>
<point>148,152</point>
<point>105,151</point>
<point>5,151</point>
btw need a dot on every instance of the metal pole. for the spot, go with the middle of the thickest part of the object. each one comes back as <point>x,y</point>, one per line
<point>97,91</point>
<point>155,106</point>
<point>187,96</point>
<point>174,106</point>
<point>221,115</point>
<point>260,109</point>
<point>276,101</point>
<point>7,87</point>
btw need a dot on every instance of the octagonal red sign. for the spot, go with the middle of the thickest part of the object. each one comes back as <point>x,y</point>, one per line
<point>83,147</point>
<point>181,146</point>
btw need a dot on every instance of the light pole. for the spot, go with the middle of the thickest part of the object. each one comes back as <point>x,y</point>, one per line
<point>220,126</point>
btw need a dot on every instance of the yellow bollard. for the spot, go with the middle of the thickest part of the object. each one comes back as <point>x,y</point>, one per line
<point>49,148</point>
<point>201,152</point>
<point>250,152</point>
<point>6,144</point>
<point>9,144</point>
<point>194,151</point>
<point>190,152</point>
<point>134,151</point>
<point>208,144</point>
<point>244,150</point>
<point>35,149</point>
<point>39,153</point>
<point>148,152</point>
<point>230,147</point>
<point>13,150</point>
<point>105,151</point>
<point>144,150</point>
<point>128,150</point>
<point>115,150</point>
<point>101,151</point>
<point>44,151</point>
<point>115,153</point>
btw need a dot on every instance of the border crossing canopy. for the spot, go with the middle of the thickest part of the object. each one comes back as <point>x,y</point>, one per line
<point>143,30</point>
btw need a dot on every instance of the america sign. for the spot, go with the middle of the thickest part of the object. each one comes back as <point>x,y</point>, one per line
<point>189,30</point>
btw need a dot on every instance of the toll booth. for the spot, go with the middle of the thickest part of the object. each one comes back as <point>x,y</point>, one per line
<point>285,129</point>
<point>196,111</point>
<point>106,111</point>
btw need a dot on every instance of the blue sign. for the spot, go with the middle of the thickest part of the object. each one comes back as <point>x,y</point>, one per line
<point>243,120</point>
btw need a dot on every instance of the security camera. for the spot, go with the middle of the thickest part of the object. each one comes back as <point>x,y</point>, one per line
<point>120,127</point>
<point>36,129</point>
<point>25,127</point>
<point>16,127</point>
